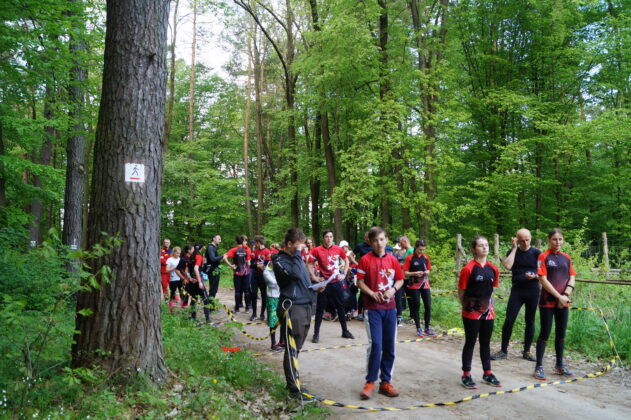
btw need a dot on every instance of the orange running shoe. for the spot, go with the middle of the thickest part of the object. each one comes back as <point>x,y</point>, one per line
<point>367,391</point>
<point>386,388</point>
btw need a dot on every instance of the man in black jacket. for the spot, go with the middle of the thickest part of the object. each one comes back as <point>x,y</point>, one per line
<point>213,259</point>
<point>294,281</point>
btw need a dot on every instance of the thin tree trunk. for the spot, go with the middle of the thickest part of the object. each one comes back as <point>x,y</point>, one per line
<point>75,148</point>
<point>384,91</point>
<point>290,85</point>
<point>123,335</point>
<point>169,117</point>
<point>258,87</point>
<point>246,131</point>
<point>191,88</point>
<point>44,158</point>
<point>315,183</point>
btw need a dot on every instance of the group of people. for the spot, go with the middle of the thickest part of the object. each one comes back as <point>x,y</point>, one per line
<point>295,276</point>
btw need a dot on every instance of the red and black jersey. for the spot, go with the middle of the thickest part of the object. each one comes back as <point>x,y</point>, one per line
<point>186,266</point>
<point>415,263</point>
<point>328,259</point>
<point>557,267</point>
<point>379,274</point>
<point>165,254</point>
<point>241,257</point>
<point>478,282</point>
<point>260,257</point>
<point>273,251</point>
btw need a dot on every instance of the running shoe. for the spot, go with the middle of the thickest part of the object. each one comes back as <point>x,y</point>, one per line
<point>490,379</point>
<point>529,356</point>
<point>354,315</point>
<point>253,317</point>
<point>171,305</point>
<point>399,321</point>
<point>316,338</point>
<point>334,318</point>
<point>563,371</point>
<point>429,332</point>
<point>347,334</point>
<point>282,344</point>
<point>467,382</point>
<point>276,348</point>
<point>367,391</point>
<point>327,316</point>
<point>420,333</point>
<point>360,317</point>
<point>262,318</point>
<point>499,355</point>
<point>539,373</point>
<point>386,388</point>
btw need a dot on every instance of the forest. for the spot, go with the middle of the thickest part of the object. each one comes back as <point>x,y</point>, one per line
<point>430,118</point>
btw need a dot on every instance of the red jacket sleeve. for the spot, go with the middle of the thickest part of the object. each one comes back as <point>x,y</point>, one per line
<point>406,264</point>
<point>541,264</point>
<point>496,282</point>
<point>230,253</point>
<point>429,264</point>
<point>464,277</point>
<point>247,253</point>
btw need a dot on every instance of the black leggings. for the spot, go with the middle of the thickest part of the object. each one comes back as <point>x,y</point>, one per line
<point>198,294</point>
<point>333,293</point>
<point>560,316</point>
<point>518,297</point>
<point>241,288</point>
<point>414,296</point>
<point>472,329</point>
<point>258,283</point>
<point>175,286</point>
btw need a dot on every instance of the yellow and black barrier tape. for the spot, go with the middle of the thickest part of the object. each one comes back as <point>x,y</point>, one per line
<point>332,403</point>
<point>454,332</point>
<point>604,370</point>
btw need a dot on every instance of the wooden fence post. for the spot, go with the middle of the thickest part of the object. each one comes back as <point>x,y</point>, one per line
<point>496,249</point>
<point>605,253</point>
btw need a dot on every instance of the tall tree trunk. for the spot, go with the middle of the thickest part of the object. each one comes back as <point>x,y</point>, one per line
<point>75,148</point>
<point>430,53</point>
<point>44,158</point>
<point>191,88</point>
<point>314,185</point>
<point>329,154</point>
<point>384,91</point>
<point>169,118</point>
<point>124,334</point>
<point>246,132</point>
<point>290,86</point>
<point>258,88</point>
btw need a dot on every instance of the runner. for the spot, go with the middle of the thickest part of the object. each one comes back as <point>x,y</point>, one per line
<point>360,250</point>
<point>240,255</point>
<point>417,267</point>
<point>351,277</point>
<point>261,257</point>
<point>296,298</point>
<point>379,277</point>
<point>475,291</point>
<point>213,260</point>
<point>525,290</point>
<point>328,256</point>
<point>175,282</point>
<point>273,293</point>
<point>557,277</point>
<point>194,287</point>
<point>400,251</point>
<point>165,253</point>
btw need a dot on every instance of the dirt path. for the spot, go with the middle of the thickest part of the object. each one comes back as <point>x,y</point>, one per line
<point>429,371</point>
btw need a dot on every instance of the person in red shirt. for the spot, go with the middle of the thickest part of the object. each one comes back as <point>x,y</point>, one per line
<point>417,267</point>
<point>240,255</point>
<point>274,248</point>
<point>165,254</point>
<point>260,259</point>
<point>475,291</point>
<point>557,278</point>
<point>327,256</point>
<point>379,277</point>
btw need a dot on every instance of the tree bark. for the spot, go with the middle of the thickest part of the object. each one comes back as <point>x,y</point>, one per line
<point>75,148</point>
<point>191,88</point>
<point>169,118</point>
<point>258,89</point>
<point>124,333</point>
<point>246,132</point>
<point>44,158</point>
